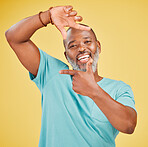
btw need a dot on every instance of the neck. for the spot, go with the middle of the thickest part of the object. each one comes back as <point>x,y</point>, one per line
<point>97,77</point>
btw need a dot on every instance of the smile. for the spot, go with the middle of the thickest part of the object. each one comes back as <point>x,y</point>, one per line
<point>83,57</point>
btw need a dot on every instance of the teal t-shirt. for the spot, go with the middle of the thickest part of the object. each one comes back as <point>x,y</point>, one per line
<point>70,119</point>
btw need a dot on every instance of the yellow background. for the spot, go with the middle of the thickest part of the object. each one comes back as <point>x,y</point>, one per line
<point>120,25</point>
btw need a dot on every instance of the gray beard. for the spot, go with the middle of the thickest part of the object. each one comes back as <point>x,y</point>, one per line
<point>94,64</point>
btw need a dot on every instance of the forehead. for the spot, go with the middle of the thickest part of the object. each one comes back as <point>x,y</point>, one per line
<point>75,34</point>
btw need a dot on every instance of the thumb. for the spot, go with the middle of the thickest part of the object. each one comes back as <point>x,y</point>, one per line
<point>63,31</point>
<point>89,65</point>
<point>81,27</point>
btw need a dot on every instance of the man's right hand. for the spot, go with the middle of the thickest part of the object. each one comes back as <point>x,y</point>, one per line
<point>18,35</point>
<point>64,16</point>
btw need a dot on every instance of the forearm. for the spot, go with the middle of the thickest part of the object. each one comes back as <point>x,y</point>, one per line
<point>118,115</point>
<point>24,29</point>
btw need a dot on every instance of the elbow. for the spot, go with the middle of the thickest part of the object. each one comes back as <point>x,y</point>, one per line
<point>10,37</point>
<point>131,121</point>
<point>131,126</point>
<point>130,130</point>
<point>7,35</point>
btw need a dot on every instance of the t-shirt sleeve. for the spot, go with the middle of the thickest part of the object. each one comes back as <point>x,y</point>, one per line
<point>125,95</point>
<point>48,67</point>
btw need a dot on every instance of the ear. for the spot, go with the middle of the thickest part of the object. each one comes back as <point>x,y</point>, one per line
<point>99,46</point>
<point>65,55</point>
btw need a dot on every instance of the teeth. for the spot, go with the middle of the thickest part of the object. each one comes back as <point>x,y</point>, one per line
<point>85,56</point>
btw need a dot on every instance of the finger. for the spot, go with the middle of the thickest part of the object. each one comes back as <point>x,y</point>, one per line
<point>63,31</point>
<point>81,27</point>
<point>89,65</point>
<point>69,72</point>
<point>73,13</point>
<point>78,18</point>
<point>68,9</point>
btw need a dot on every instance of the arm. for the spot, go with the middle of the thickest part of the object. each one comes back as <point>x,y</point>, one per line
<point>18,35</point>
<point>123,118</point>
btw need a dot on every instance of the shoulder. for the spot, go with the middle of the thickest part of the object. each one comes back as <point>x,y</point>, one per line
<point>120,89</point>
<point>114,81</point>
<point>56,61</point>
<point>52,60</point>
<point>119,84</point>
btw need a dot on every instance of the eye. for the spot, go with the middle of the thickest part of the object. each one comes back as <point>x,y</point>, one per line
<point>87,42</point>
<point>72,46</point>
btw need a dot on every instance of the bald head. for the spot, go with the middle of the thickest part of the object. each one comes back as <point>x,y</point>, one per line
<point>73,30</point>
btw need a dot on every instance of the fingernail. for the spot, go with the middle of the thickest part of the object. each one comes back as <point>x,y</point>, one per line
<point>77,17</point>
<point>88,28</point>
<point>60,72</point>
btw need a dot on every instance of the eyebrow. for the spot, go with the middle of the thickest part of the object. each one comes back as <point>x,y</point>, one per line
<point>71,42</point>
<point>75,40</point>
<point>86,37</point>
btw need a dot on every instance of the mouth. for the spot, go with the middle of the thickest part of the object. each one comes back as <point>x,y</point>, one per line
<point>83,58</point>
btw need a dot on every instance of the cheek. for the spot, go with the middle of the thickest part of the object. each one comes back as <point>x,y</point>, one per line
<point>72,55</point>
<point>93,49</point>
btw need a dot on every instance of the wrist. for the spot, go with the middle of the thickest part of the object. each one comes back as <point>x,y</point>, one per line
<point>95,93</point>
<point>45,17</point>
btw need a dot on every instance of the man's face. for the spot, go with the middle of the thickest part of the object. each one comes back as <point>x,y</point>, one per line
<point>80,46</point>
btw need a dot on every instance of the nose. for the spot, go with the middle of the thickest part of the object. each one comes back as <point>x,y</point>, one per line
<point>81,48</point>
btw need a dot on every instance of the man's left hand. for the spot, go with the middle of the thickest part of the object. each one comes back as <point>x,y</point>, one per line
<point>83,82</point>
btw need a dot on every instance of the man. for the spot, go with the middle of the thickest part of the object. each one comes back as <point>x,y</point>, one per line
<point>79,107</point>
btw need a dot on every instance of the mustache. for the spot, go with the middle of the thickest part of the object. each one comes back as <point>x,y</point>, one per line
<point>83,53</point>
<point>76,66</point>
